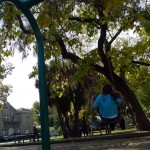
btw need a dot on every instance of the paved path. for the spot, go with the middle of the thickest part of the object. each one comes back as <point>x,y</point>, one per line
<point>134,143</point>
<point>142,143</point>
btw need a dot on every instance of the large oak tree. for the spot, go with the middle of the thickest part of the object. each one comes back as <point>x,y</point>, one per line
<point>89,32</point>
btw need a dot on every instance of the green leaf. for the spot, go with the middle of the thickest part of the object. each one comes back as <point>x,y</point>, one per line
<point>44,20</point>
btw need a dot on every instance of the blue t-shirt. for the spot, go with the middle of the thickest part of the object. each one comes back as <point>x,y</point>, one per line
<point>106,105</point>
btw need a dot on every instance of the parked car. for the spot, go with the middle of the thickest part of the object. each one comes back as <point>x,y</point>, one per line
<point>20,136</point>
<point>11,137</point>
<point>29,135</point>
<point>40,136</point>
<point>3,138</point>
<point>16,136</point>
<point>54,133</point>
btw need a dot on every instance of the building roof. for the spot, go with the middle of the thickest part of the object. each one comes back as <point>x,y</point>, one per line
<point>24,110</point>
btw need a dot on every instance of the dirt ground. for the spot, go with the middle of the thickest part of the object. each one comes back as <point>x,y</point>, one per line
<point>134,143</point>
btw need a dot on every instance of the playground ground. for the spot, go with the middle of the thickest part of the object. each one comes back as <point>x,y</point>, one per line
<point>128,141</point>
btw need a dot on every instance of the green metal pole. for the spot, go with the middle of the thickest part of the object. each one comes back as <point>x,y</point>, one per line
<point>42,83</point>
<point>41,69</point>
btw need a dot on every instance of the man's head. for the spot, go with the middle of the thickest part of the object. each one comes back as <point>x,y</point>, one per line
<point>107,89</point>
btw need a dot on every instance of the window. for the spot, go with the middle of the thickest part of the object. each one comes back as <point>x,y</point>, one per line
<point>27,118</point>
<point>6,117</point>
<point>13,118</point>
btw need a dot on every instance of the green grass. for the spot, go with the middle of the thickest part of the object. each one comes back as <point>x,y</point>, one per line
<point>128,129</point>
<point>56,138</point>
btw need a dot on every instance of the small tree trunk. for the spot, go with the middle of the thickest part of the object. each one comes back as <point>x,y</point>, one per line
<point>68,125</point>
<point>75,130</point>
<point>76,124</point>
<point>61,120</point>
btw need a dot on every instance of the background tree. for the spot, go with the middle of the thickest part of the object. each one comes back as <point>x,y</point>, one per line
<point>53,116</point>
<point>68,94</point>
<point>36,113</point>
<point>142,89</point>
<point>5,69</point>
<point>54,119</point>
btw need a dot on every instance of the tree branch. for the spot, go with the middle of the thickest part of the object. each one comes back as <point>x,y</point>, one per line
<point>64,52</point>
<point>78,19</point>
<point>22,26</point>
<point>86,20</point>
<point>26,31</point>
<point>146,15</point>
<point>141,63</point>
<point>101,42</point>
<point>120,30</point>
<point>115,36</point>
<point>74,58</point>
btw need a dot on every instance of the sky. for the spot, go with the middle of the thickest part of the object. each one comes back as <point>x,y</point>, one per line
<point>24,92</point>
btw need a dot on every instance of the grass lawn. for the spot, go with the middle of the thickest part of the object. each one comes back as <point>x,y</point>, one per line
<point>56,138</point>
<point>118,130</point>
<point>128,129</point>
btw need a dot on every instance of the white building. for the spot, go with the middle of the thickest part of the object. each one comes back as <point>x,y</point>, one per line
<point>15,120</point>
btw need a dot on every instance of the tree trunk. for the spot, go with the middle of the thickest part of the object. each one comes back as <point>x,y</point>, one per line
<point>140,118</point>
<point>68,125</point>
<point>61,120</point>
<point>76,123</point>
<point>75,131</point>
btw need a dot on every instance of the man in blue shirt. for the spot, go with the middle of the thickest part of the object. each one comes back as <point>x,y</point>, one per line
<point>106,103</point>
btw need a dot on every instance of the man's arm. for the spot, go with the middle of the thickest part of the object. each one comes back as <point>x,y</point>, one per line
<point>119,94</point>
